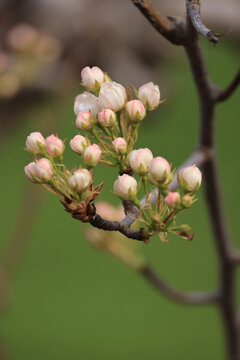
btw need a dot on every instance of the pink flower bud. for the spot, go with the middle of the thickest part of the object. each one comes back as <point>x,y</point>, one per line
<point>78,144</point>
<point>187,201</point>
<point>172,199</point>
<point>54,146</point>
<point>125,187</point>
<point>135,110</point>
<point>159,169</point>
<point>30,171</point>
<point>112,95</point>
<point>86,102</point>
<point>43,170</point>
<point>92,155</point>
<point>119,145</point>
<point>107,118</point>
<point>92,78</point>
<point>35,142</point>
<point>140,160</point>
<point>80,180</point>
<point>149,94</point>
<point>85,120</point>
<point>190,178</point>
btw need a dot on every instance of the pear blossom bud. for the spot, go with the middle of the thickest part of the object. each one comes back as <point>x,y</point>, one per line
<point>87,102</point>
<point>149,94</point>
<point>35,142</point>
<point>125,187</point>
<point>80,180</point>
<point>107,118</point>
<point>112,95</point>
<point>43,170</point>
<point>172,199</point>
<point>159,169</point>
<point>187,201</point>
<point>140,160</point>
<point>78,144</point>
<point>135,110</point>
<point>30,171</point>
<point>92,155</point>
<point>119,145</point>
<point>54,146</point>
<point>85,120</point>
<point>92,78</point>
<point>190,178</point>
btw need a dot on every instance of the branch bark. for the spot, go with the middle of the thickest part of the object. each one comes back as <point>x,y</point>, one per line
<point>222,95</point>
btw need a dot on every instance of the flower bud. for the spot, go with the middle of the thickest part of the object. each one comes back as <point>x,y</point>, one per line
<point>190,178</point>
<point>85,120</point>
<point>30,171</point>
<point>140,160</point>
<point>119,145</point>
<point>86,102</point>
<point>107,118</point>
<point>112,96</point>
<point>35,142</point>
<point>135,110</point>
<point>80,180</point>
<point>125,187</point>
<point>159,169</point>
<point>92,78</point>
<point>78,144</point>
<point>54,146</point>
<point>149,94</point>
<point>92,155</point>
<point>43,170</point>
<point>187,201</point>
<point>172,199</point>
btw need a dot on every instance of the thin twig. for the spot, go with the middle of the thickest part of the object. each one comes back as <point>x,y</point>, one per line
<point>223,95</point>
<point>193,298</point>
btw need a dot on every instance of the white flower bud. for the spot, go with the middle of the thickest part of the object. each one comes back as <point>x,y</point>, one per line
<point>43,170</point>
<point>125,187</point>
<point>112,96</point>
<point>135,110</point>
<point>80,180</point>
<point>86,102</point>
<point>149,94</point>
<point>140,160</point>
<point>107,118</point>
<point>190,178</point>
<point>35,142</point>
<point>119,145</point>
<point>30,172</point>
<point>54,146</point>
<point>85,120</point>
<point>92,155</point>
<point>92,78</point>
<point>78,144</point>
<point>159,169</point>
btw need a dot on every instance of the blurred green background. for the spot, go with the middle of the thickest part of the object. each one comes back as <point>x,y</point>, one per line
<point>64,299</point>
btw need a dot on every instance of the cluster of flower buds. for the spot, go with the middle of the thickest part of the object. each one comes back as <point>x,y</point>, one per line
<point>109,119</point>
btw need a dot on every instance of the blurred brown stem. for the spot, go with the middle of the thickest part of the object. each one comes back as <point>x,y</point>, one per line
<point>208,96</point>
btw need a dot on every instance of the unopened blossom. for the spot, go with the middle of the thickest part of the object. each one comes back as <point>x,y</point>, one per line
<point>107,118</point>
<point>92,155</point>
<point>159,169</point>
<point>125,187</point>
<point>92,78</point>
<point>149,94</point>
<point>190,178</point>
<point>86,102</point>
<point>78,144</point>
<point>35,142</point>
<point>30,171</point>
<point>80,180</point>
<point>172,199</point>
<point>54,146</point>
<point>119,145</point>
<point>140,160</point>
<point>85,120</point>
<point>135,110</point>
<point>112,95</point>
<point>187,201</point>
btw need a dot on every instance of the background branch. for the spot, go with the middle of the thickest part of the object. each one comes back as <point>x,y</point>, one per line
<point>222,95</point>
